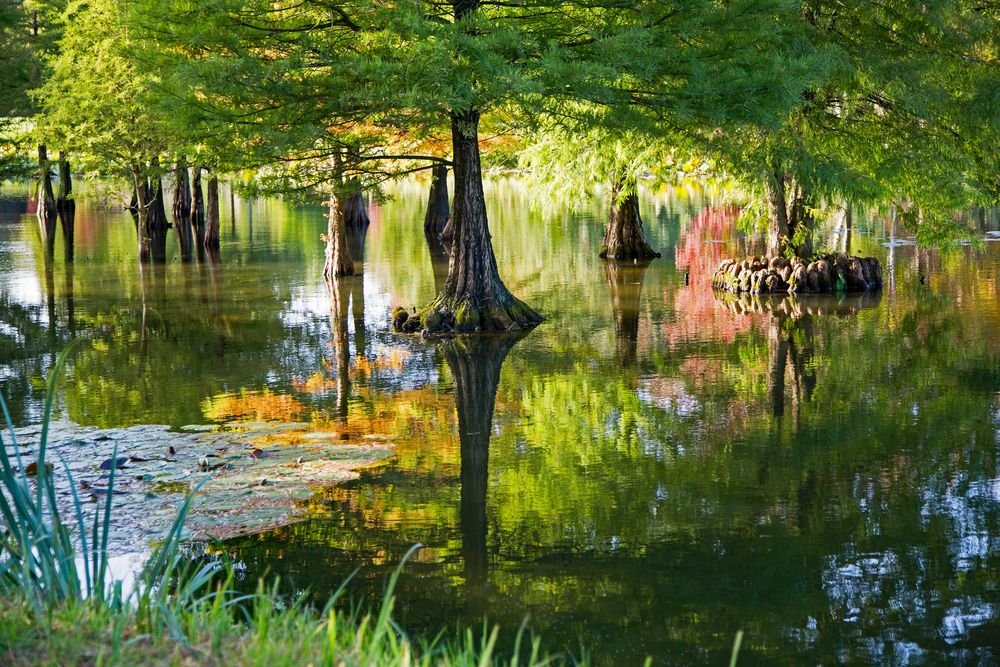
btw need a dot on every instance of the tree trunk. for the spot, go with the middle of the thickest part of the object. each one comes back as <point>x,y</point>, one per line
<point>355,210</point>
<point>212,213</point>
<point>65,199</point>
<point>777,214</point>
<point>46,199</point>
<point>157,221</point>
<point>475,364</point>
<point>197,205</point>
<point>800,219</point>
<point>356,241</point>
<point>437,203</point>
<point>848,225</point>
<point>625,281</point>
<point>141,213</point>
<point>474,292</point>
<point>624,237</point>
<point>338,252</point>
<point>182,208</point>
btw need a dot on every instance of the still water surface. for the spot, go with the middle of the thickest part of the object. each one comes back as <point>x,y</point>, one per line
<point>647,472</point>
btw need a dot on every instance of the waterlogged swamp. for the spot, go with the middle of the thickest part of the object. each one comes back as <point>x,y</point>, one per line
<point>647,472</point>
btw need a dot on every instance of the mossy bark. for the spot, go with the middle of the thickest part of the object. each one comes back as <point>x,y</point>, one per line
<point>474,292</point>
<point>438,208</point>
<point>624,237</point>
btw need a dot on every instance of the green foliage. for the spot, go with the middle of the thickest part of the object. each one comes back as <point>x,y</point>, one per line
<point>888,119</point>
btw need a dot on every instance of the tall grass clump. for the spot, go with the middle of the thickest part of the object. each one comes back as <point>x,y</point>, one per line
<point>59,605</point>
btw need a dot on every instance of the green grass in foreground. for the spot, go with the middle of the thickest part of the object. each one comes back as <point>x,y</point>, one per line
<point>59,606</point>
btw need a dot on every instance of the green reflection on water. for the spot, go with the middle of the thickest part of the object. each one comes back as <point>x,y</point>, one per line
<point>650,470</point>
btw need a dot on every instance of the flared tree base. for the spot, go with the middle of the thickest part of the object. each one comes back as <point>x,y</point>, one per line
<point>450,315</point>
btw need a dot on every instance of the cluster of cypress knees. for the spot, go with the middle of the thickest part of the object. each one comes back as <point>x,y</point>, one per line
<point>430,321</point>
<point>827,273</point>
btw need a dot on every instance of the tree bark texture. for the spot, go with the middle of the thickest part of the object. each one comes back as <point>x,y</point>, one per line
<point>355,210</point>
<point>356,236</point>
<point>182,209</point>
<point>624,237</point>
<point>197,205</point>
<point>625,281</point>
<point>65,200</point>
<point>788,215</point>
<point>212,213</point>
<point>474,292</point>
<point>438,209</point>
<point>157,221</point>
<point>338,255</point>
<point>46,198</point>
<point>140,194</point>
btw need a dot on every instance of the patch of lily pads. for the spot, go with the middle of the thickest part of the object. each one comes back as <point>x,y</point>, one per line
<point>255,475</point>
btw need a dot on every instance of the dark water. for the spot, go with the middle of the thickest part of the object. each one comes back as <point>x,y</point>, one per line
<point>649,471</point>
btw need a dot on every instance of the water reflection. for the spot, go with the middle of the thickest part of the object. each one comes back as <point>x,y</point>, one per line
<point>647,472</point>
<point>625,282</point>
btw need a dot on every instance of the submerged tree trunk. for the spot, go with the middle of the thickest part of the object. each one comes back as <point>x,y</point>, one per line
<point>437,203</point>
<point>474,292</point>
<point>212,213</point>
<point>624,237</point>
<point>625,281</point>
<point>65,199</point>
<point>46,199</point>
<point>475,364</point>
